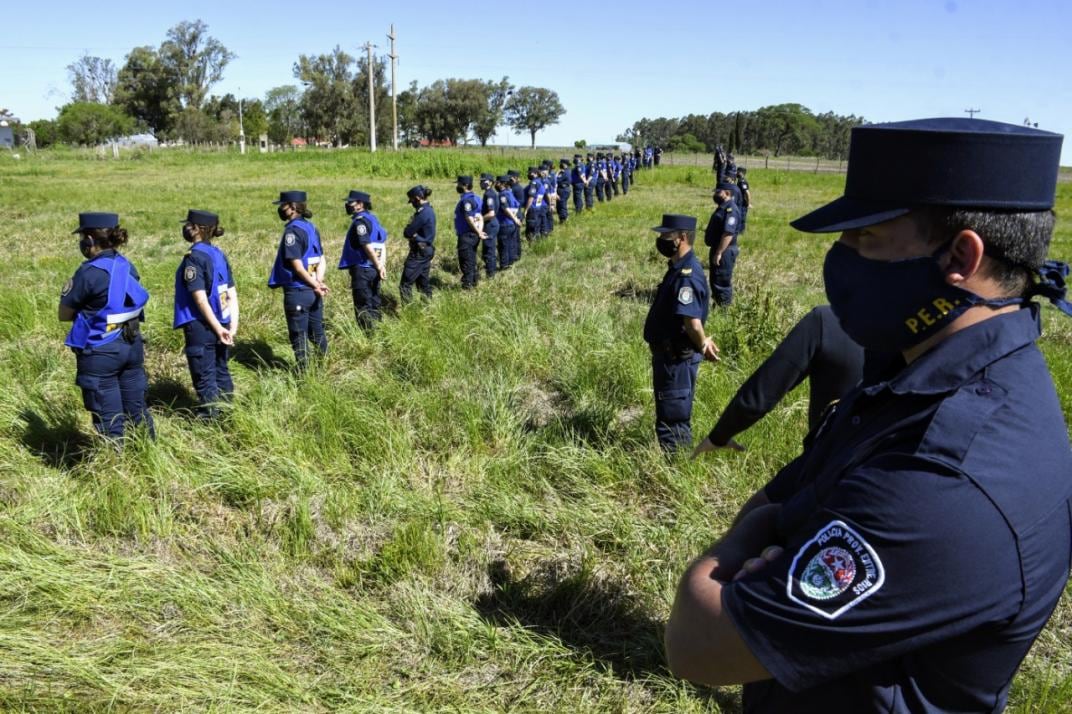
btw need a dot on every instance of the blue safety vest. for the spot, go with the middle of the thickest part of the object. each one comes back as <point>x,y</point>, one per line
<point>186,309</point>
<point>377,241</point>
<point>284,277</point>
<point>507,200</point>
<point>126,300</point>
<point>461,226</point>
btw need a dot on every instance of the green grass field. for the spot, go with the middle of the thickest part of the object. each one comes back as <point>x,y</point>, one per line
<point>465,511</point>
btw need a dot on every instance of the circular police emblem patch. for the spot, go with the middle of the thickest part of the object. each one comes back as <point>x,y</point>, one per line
<point>834,571</point>
<point>361,229</point>
<point>468,206</point>
<point>731,221</point>
<point>189,274</point>
<point>684,295</point>
<point>290,238</point>
<point>67,286</point>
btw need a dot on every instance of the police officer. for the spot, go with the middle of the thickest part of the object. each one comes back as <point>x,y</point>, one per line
<point>577,177</point>
<point>721,237</point>
<point>489,245</point>
<point>674,330</point>
<point>364,254</point>
<point>744,196</point>
<point>589,181</point>
<point>509,224</point>
<point>105,301</point>
<point>601,176</point>
<point>534,206</point>
<point>206,308</point>
<point>627,172</point>
<point>614,174</point>
<point>521,196</point>
<point>420,232</point>
<point>299,270</point>
<point>563,189</point>
<point>908,559</point>
<point>550,205</point>
<point>469,227</point>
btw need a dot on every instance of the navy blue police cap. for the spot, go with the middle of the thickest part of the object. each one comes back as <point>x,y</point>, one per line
<point>465,180</point>
<point>958,162</point>
<point>577,156</point>
<point>513,172</point>
<point>563,162</point>
<point>89,221</point>
<point>487,177</point>
<point>675,222</point>
<point>533,170</point>
<point>418,191</point>
<point>290,197</point>
<point>201,218</point>
<point>502,179</point>
<point>359,196</point>
<point>725,186</point>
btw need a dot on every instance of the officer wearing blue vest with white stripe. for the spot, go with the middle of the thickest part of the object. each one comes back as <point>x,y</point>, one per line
<point>206,308</point>
<point>299,270</point>
<point>364,254</point>
<point>550,187</point>
<point>589,181</point>
<point>601,178</point>
<point>509,224</point>
<point>469,227</point>
<point>534,206</point>
<point>563,189</point>
<point>105,301</point>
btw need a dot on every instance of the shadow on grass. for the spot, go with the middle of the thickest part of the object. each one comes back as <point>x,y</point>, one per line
<point>638,293</point>
<point>594,616</point>
<point>170,394</point>
<point>258,355</point>
<point>60,445</point>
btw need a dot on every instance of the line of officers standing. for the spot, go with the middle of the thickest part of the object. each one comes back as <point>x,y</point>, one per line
<point>105,300</point>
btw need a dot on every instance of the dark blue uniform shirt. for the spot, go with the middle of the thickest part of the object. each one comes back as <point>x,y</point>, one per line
<point>725,219</point>
<point>927,530</point>
<point>422,227</point>
<point>682,293</point>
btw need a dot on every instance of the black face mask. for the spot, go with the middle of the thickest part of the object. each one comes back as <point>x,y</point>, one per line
<point>84,245</point>
<point>282,211</point>
<point>351,209</point>
<point>461,189</point>
<point>667,248</point>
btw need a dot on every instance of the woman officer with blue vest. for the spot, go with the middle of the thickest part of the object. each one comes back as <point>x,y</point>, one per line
<point>206,308</point>
<point>364,254</point>
<point>104,300</point>
<point>299,270</point>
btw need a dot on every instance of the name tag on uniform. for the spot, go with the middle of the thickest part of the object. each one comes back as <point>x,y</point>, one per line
<point>225,301</point>
<point>380,249</point>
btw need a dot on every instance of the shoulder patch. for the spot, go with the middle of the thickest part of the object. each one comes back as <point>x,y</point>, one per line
<point>290,238</point>
<point>834,571</point>
<point>685,296</point>
<point>731,221</point>
<point>468,206</point>
<point>67,286</point>
<point>189,274</point>
<point>362,229</point>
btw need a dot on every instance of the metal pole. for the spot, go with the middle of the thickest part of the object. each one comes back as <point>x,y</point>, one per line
<point>371,101</point>
<point>394,88</point>
<point>241,127</point>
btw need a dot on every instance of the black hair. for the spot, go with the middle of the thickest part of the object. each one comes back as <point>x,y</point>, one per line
<point>107,238</point>
<point>302,209</point>
<point>1015,242</point>
<point>207,233</point>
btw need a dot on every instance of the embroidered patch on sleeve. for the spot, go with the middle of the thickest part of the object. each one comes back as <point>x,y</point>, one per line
<point>730,221</point>
<point>468,207</point>
<point>834,571</point>
<point>189,274</point>
<point>684,295</point>
<point>361,229</point>
<point>290,238</point>
<point>67,286</point>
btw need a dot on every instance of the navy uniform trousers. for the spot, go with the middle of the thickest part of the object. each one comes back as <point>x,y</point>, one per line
<point>114,385</point>
<point>305,322</point>
<point>578,197</point>
<point>207,359</point>
<point>674,385</point>
<point>417,270</point>
<point>489,247</point>
<point>365,287</point>
<point>467,243</point>
<point>722,276</point>
<point>563,204</point>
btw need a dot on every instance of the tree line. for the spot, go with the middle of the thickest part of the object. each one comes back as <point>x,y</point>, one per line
<point>164,90</point>
<point>773,130</point>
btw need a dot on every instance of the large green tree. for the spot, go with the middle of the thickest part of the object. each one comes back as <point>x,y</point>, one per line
<point>533,109</point>
<point>328,105</point>
<point>195,60</point>
<point>447,109</point>
<point>491,113</point>
<point>283,106</point>
<point>89,123</point>
<point>147,91</point>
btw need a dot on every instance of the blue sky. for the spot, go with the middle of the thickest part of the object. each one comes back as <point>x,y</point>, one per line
<point>611,63</point>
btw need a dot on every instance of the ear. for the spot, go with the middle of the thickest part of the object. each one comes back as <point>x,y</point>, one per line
<point>965,257</point>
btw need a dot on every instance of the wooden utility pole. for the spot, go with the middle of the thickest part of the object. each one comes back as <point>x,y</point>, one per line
<point>972,112</point>
<point>394,88</point>
<point>371,99</point>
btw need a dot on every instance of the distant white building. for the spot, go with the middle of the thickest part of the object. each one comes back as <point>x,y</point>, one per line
<point>138,140</point>
<point>7,135</point>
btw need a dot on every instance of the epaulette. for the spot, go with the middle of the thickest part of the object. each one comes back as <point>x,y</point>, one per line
<point>686,271</point>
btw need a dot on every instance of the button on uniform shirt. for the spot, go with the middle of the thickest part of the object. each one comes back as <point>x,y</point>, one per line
<point>87,292</point>
<point>927,530</point>
<point>682,293</point>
